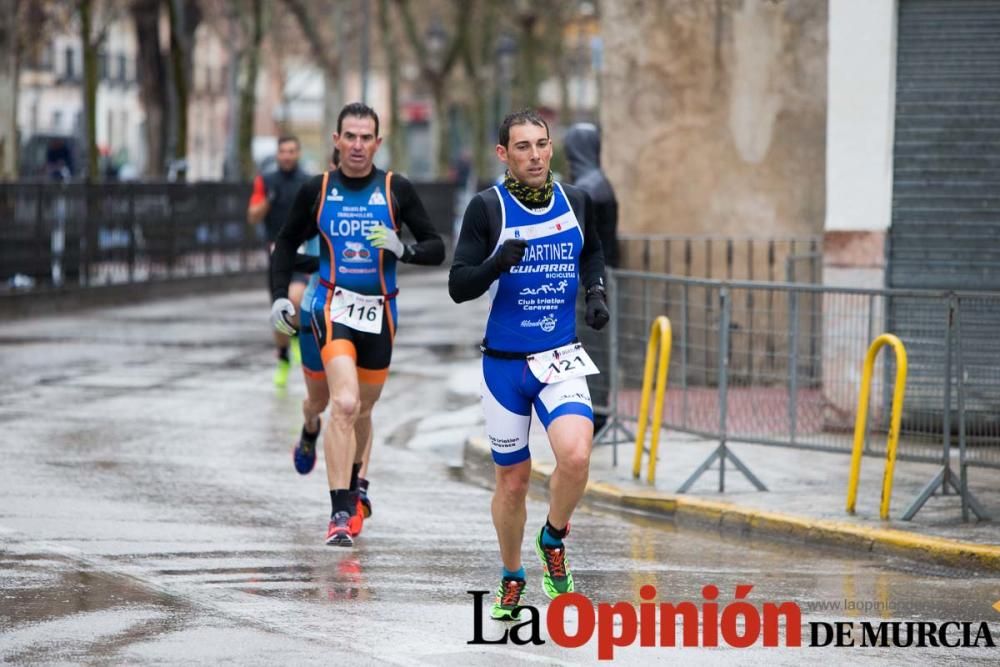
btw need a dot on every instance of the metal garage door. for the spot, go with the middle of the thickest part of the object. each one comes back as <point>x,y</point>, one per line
<point>945,230</point>
<point>946,191</point>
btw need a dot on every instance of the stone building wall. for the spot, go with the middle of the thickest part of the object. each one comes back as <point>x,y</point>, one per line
<point>714,115</point>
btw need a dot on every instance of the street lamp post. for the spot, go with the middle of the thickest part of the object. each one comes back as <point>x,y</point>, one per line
<point>436,38</point>
<point>506,47</point>
<point>365,49</point>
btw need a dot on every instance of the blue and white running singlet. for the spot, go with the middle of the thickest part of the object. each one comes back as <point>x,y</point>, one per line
<point>533,309</point>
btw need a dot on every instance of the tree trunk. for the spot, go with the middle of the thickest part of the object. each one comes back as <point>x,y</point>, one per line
<point>441,128</point>
<point>436,75</point>
<point>333,100</point>
<point>396,146</point>
<point>8,89</point>
<point>85,8</point>
<point>231,166</point>
<point>184,19</point>
<point>151,73</point>
<point>248,93</point>
<point>563,66</point>
<point>528,65</point>
<point>477,68</point>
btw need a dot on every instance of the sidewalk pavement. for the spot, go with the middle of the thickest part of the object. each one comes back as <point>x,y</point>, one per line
<point>805,501</point>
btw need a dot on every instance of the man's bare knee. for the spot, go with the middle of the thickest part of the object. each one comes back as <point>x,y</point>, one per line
<point>575,464</point>
<point>314,406</point>
<point>512,483</point>
<point>344,408</point>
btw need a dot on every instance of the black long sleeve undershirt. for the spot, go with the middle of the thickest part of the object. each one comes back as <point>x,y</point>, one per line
<point>301,225</point>
<point>592,255</point>
<point>306,263</point>
<point>474,268</point>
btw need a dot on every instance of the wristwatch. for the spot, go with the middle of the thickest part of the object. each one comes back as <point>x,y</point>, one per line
<point>597,289</point>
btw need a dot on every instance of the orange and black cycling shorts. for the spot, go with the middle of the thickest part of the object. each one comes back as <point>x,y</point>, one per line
<point>371,352</point>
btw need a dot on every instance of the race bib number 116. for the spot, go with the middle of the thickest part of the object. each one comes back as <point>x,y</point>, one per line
<point>563,363</point>
<point>357,311</point>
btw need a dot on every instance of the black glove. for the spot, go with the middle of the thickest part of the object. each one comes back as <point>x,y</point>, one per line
<point>597,310</point>
<point>510,253</point>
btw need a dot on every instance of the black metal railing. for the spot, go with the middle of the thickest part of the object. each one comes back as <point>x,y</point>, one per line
<point>55,236</point>
<point>58,236</point>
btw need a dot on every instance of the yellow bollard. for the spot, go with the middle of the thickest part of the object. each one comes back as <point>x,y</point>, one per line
<point>660,340</point>
<point>862,419</point>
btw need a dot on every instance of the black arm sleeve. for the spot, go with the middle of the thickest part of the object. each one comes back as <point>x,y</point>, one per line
<point>306,263</point>
<point>607,228</point>
<point>301,225</point>
<point>429,248</point>
<point>473,269</point>
<point>592,256</point>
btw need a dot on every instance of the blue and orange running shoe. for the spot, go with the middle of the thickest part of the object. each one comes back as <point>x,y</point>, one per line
<point>304,453</point>
<point>338,533</point>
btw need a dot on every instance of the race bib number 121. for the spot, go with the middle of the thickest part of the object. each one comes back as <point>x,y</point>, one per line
<point>563,363</point>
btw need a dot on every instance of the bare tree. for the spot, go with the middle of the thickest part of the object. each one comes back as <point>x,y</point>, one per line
<point>235,38</point>
<point>527,17</point>
<point>311,15</point>
<point>248,98</point>
<point>151,72</point>
<point>435,71</point>
<point>478,57</point>
<point>233,25</point>
<point>396,150</point>
<point>185,15</point>
<point>90,43</point>
<point>95,19</point>
<point>9,69</point>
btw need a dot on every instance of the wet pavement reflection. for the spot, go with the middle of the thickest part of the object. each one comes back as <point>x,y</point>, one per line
<point>149,513</point>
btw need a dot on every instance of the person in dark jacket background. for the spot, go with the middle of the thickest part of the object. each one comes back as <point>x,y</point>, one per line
<point>271,203</point>
<point>583,153</point>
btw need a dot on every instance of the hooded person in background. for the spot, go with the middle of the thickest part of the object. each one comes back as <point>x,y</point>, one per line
<point>583,153</point>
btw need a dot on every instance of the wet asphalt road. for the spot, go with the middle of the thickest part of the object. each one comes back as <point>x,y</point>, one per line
<point>149,512</point>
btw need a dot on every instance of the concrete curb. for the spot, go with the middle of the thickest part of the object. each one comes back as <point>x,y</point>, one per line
<point>774,525</point>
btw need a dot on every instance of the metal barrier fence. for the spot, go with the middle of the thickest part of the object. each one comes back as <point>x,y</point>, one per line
<point>83,235</point>
<point>773,259</point>
<point>780,364</point>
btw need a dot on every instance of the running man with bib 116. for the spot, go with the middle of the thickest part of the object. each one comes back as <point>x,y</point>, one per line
<point>361,210</point>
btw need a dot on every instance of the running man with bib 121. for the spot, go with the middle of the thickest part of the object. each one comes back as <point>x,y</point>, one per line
<point>532,243</point>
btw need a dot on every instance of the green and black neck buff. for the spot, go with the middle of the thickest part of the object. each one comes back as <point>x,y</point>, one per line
<point>530,197</point>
